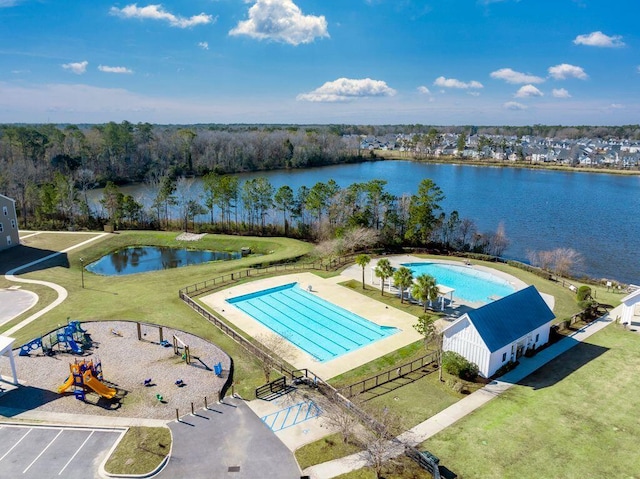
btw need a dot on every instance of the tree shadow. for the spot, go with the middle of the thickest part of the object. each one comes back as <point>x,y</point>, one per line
<point>19,255</point>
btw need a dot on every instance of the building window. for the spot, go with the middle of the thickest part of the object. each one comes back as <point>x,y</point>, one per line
<point>13,223</point>
<point>1,227</point>
<point>537,337</point>
<point>8,240</point>
<point>504,357</point>
<point>5,210</point>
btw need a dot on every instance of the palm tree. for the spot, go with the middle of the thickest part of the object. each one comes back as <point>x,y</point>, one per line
<point>383,270</point>
<point>403,279</point>
<point>424,288</point>
<point>363,260</point>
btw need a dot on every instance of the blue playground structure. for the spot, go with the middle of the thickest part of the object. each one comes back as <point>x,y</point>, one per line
<point>71,337</point>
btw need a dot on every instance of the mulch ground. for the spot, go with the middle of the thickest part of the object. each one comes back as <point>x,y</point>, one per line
<point>126,363</point>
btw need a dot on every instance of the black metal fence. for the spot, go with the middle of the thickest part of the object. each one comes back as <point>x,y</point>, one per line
<point>226,279</point>
<point>388,376</point>
<point>323,387</point>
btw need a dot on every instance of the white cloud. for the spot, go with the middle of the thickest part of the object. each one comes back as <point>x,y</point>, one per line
<point>560,93</point>
<point>512,76</point>
<point>453,83</point>
<point>204,45</point>
<point>106,69</point>
<point>564,71</point>
<point>514,106</point>
<point>157,12</point>
<point>78,67</point>
<point>528,91</point>
<point>473,93</point>
<point>599,39</point>
<point>345,89</point>
<point>281,21</point>
<point>616,106</point>
<point>424,90</point>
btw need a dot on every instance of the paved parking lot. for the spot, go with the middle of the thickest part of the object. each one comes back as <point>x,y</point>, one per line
<point>43,451</point>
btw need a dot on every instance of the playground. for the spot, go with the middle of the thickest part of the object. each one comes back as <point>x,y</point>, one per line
<point>121,368</point>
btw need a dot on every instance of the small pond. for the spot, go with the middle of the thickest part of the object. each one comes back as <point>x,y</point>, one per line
<point>142,259</point>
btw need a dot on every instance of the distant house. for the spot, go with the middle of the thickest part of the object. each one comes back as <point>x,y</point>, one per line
<point>9,235</point>
<point>501,331</point>
<point>631,308</point>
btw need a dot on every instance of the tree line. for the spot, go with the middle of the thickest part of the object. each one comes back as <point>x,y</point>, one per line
<point>85,156</point>
<point>359,216</point>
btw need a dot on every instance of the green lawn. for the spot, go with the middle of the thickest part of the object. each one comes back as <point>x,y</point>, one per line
<point>326,449</point>
<point>141,450</point>
<point>153,297</point>
<point>577,417</point>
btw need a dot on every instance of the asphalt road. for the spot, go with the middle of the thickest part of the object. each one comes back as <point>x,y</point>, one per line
<point>227,441</point>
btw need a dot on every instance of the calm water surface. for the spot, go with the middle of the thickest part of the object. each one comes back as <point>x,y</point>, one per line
<point>596,214</point>
<point>142,259</point>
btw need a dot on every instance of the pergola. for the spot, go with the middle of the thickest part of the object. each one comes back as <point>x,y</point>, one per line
<point>6,350</point>
<point>443,291</point>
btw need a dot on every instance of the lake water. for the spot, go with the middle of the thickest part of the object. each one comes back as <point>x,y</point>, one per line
<point>142,259</point>
<point>596,214</point>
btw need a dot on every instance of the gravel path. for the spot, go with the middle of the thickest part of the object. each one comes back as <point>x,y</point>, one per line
<point>126,363</point>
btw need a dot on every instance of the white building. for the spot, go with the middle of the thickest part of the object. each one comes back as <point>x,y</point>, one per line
<point>501,331</point>
<point>631,308</point>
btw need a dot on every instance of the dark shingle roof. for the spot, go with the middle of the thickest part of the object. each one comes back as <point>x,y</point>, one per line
<point>508,319</point>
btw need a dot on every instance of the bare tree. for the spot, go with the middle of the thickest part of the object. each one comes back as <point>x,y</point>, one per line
<point>276,348</point>
<point>565,260</point>
<point>498,242</point>
<point>378,441</point>
<point>342,420</point>
<point>562,261</point>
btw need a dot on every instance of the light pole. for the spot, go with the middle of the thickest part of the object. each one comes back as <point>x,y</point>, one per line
<point>82,271</point>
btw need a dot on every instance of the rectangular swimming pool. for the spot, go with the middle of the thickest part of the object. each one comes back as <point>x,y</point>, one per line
<point>318,327</point>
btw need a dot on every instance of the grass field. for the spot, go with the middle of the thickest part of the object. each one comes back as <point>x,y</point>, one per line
<point>577,417</point>
<point>141,450</point>
<point>152,297</point>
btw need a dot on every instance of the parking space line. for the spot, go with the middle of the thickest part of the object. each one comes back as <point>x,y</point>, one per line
<point>19,440</point>
<point>76,453</point>
<point>42,452</point>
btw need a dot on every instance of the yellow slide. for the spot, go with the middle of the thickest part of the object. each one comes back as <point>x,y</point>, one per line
<point>93,383</point>
<point>67,384</point>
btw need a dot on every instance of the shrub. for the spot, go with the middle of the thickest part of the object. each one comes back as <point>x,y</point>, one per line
<point>505,368</point>
<point>455,364</point>
<point>583,293</point>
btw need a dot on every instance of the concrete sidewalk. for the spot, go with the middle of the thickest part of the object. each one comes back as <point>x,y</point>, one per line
<point>453,413</point>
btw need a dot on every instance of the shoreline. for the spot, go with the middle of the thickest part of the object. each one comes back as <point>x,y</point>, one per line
<point>451,160</point>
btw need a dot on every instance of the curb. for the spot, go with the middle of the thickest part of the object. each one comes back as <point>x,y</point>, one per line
<point>102,472</point>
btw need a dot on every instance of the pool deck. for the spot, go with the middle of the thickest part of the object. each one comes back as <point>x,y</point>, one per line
<point>330,290</point>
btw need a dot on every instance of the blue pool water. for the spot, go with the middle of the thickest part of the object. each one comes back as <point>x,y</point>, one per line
<point>469,284</point>
<point>320,328</point>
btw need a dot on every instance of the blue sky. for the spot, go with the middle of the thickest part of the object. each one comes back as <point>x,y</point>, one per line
<point>443,62</point>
